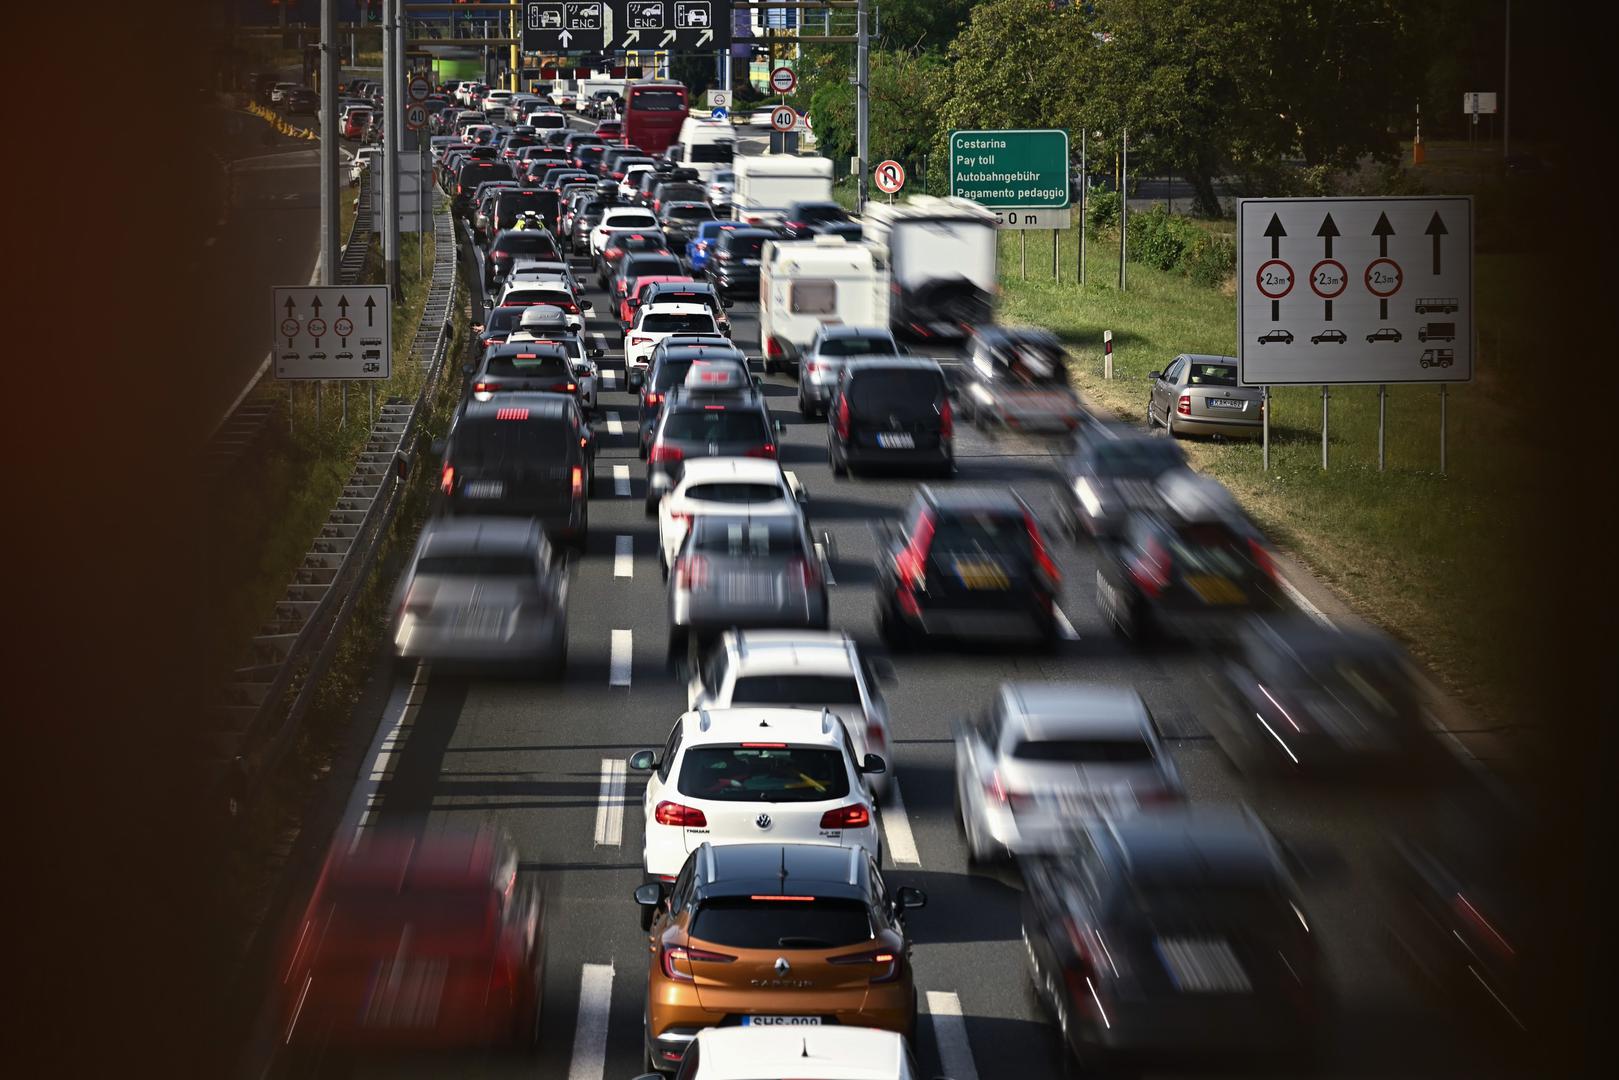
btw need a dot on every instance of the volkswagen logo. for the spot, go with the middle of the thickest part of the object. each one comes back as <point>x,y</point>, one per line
<point>763,821</point>
<point>782,966</point>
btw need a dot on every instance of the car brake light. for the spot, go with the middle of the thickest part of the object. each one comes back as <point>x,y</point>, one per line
<point>682,520</point>
<point>481,387</point>
<point>768,450</point>
<point>654,399</point>
<point>446,481</point>
<point>1184,406</point>
<point>947,421</point>
<point>853,816</point>
<point>672,953</point>
<point>1151,572</point>
<point>691,572</point>
<point>1042,558</point>
<point>806,573</point>
<point>843,418</point>
<point>577,475</point>
<point>773,348</point>
<point>666,453</point>
<point>511,414</point>
<point>673,813</point>
<point>997,790</point>
<point>1262,559</point>
<point>875,956</point>
<point>911,562</point>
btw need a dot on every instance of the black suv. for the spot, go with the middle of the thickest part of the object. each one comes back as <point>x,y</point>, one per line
<point>671,360</point>
<point>966,563</point>
<point>473,172</point>
<point>720,418</point>
<point>801,219</point>
<point>526,454</point>
<point>733,266</point>
<point>891,411</point>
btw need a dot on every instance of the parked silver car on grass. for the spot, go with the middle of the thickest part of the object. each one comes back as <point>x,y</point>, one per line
<point>1046,755</point>
<point>483,592</point>
<point>1199,395</point>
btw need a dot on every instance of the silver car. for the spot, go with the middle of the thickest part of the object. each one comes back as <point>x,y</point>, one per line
<point>1050,754</point>
<point>745,570</point>
<point>825,356</point>
<point>482,591</point>
<point>1199,395</point>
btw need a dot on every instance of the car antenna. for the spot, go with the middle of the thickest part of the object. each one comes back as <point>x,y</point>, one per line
<point>806,1046</point>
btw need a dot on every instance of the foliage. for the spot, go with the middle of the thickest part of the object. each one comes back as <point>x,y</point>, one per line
<point>920,25</point>
<point>904,119</point>
<point>1212,259</point>
<point>1159,239</point>
<point>1102,209</point>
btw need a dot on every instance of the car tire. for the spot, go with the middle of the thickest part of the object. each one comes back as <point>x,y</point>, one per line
<point>1152,421</point>
<point>840,468</point>
<point>651,506</point>
<point>1169,425</point>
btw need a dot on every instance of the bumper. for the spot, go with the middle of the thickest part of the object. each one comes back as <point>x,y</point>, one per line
<point>860,456</point>
<point>818,392</point>
<point>1237,429</point>
<point>704,615</point>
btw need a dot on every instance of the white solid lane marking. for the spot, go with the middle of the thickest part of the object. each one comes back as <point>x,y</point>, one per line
<point>610,804</point>
<point>950,1032</point>
<point>1064,627</point>
<point>615,426</point>
<point>404,703</point>
<point>820,553</point>
<point>618,658</point>
<point>897,826</point>
<point>624,557</point>
<point>621,480</point>
<point>1303,601</point>
<point>590,1033</point>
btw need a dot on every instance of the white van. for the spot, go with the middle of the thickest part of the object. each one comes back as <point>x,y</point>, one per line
<point>807,284</point>
<point>706,146</point>
<point>767,184</point>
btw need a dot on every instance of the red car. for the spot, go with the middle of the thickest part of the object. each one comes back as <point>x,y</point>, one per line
<point>628,303</point>
<point>611,130</point>
<point>414,941</point>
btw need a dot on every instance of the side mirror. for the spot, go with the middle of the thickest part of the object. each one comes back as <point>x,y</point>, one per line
<point>1155,374</point>
<point>758,380</point>
<point>649,895</point>
<point>644,760</point>
<point>585,305</point>
<point>597,354</point>
<point>873,765</point>
<point>908,898</point>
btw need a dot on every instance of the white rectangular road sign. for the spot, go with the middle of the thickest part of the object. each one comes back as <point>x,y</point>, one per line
<point>1369,290</point>
<point>1033,219</point>
<point>415,198</point>
<point>1478,102</point>
<point>332,332</point>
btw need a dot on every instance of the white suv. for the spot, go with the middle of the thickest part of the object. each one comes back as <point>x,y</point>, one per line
<point>742,776</point>
<point>654,322</point>
<point>801,669</point>
<point>525,292</point>
<point>627,218</point>
<point>722,485</point>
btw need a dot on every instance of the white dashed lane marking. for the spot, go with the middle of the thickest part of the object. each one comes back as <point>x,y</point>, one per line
<point>950,1032</point>
<point>618,658</point>
<point>621,480</point>
<point>615,426</point>
<point>610,804</point>
<point>590,1033</point>
<point>624,557</point>
<point>898,841</point>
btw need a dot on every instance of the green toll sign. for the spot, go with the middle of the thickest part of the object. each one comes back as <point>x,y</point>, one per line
<point>1023,170</point>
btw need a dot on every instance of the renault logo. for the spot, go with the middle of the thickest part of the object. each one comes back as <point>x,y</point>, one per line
<point>763,821</point>
<point>782,966</point>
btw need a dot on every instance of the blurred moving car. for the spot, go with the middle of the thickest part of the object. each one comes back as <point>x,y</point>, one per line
<point>1048,754</point>
<point>1112,473</point>
<point>733,262</point>
<point>796,669</point>
<point>721,485</point>
<point>672,361</point>
<point>416,941</point>
<point>891,411</point>
<point>482,592</point>
<point>966,563</point>
<point>758,935</point>
<point>745,569</point>
<point>1199,395</point>
<point>1016,378</point>
<point>814,1052</point>
<point>799,220</point>
<point>824,357</point>
<point>697,248</point>
<point>1194,567</point>
<point>1297,695</point>
<point>717,412</point>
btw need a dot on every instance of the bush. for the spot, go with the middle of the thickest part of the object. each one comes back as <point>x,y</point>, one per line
<point>1160,240</point>
<point>1212,259</point>
<point>1102,208</point>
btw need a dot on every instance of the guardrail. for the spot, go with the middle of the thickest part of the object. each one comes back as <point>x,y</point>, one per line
<point>259,711</point>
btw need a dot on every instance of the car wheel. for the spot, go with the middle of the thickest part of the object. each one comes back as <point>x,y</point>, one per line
<point>1169,425</point>
<point>840,468</point>
<point>1152,421</point>
<point>804,411</point>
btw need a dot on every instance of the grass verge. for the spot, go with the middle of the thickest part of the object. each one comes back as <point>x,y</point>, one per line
<point>1407,547</point>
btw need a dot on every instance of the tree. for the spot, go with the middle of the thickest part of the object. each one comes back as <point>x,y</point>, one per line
<point>921,25</point>
<point>904,116</point>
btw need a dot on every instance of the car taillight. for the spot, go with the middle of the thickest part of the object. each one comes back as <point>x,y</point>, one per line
<point>911,562</point>
<point>997,790</point>
<point>1042,558</point>
<point>768,450</point>
<point>1184,406</point>
<point>638,340</point>
<point>678,814</point>
<point>1261,558</point>
<point>947,420</point>
<point>577,476</point>
<point>792,224</point>
<point>502,256</point>
<point>806,572</point>
<point>773,349</point>
<point>570,308</point>
<point>1151,571</point>
<point>673,954</point>
<point>853,816</point>
<point>691,572</point>
<point>654,399</point>
<point>892,966</point>
<point>843,418</point>
<point>482,387</point>
<point>446,480</point>
<point>666,453</point>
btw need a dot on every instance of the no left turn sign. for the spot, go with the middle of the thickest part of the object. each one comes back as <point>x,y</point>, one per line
<point>783,81</point>
<point>890,177</point>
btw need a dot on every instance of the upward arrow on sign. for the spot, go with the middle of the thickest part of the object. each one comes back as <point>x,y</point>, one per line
<point>1275,231</point>
<point>1327,231</point>
<point>1436,229</point>
<point>370,310</point>
<point>1382,230</point>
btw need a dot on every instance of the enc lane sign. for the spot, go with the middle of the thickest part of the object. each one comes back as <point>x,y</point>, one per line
<point>1018,170</point>
<point>332,332</point>
<point>1387,278</point>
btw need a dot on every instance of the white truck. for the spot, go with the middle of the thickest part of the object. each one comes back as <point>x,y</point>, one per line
<point>767,183</point>
<point>807,284</point>
<point>941,255</point>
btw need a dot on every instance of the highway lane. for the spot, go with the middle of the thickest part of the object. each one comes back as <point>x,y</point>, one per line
<point>540,759</point>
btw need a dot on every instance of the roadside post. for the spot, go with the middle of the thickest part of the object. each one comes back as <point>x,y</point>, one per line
<point>1264,417</point>
<point>1324,397</point>
<point>1084,193</point>
<point>1107,354</point>
<point>1382,418</point>
<point>1442,389</point>
<point>1124,206</point>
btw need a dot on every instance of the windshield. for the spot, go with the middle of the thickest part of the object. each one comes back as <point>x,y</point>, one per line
<point>904,393</point>
<point>660,266</point>
<point>716,426</point>
<point>1213,375</point>
<point>876,345</point>
<point>476,565</point>
<point>1124,751</point>
<point>795,690</point>
<point>774,773</point>
<point>657,322</point>
<point>718,151</point>
<point>742,922</point>
<point>485,442</point>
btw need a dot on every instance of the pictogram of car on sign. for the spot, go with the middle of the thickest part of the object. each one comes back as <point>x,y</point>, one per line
<point>1336,337</point>
<point>1283,336</point>
<point>1387,333</point>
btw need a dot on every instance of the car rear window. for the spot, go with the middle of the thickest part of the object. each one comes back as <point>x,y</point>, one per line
<point>657,101</point>
<point>527,365</point>
<point>744,247</point>
<point>486,442</point>
<point>742,922</point>
<point>881,345</point>
<point>527,242</point>
<point>735,493</point>
<point>903,393</point>
<point>747,539</point>
<point>1213,375</point>
<point>521,296</point>
<point>1124,751</point>
<point>689,212</point>
<point>476,565</point>
<point>775,773</point>
<point>480,172</point>
<point>715,425</point>
<point>717,151</point>
<point>632,221</point>
<point>656,267</point>
<point>673,371</point>
<point>1039,365</point>
<point>1209,548</point>
<point>669,322</point>
<point>980,534</point>
<point>1138,457</point>
<point>795,690</point>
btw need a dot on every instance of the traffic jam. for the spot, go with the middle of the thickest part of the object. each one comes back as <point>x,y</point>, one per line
<point>795,678</point>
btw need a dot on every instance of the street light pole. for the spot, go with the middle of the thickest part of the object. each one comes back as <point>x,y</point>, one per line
<point>330,209</point>
<point>390,143</point>
<point>1506,92</point>
<point>862,98</point>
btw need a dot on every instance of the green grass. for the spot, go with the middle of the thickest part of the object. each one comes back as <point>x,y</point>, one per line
<point>1410,549</point>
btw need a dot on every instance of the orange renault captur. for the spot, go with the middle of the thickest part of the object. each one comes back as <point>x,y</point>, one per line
<point>759,935</point>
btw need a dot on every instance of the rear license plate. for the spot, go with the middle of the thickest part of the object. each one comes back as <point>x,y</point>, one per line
<point>1202,966</point>
<point>481,622</point>
<point>781,1021</point>
<point>484,489</point>
<point>901,440</point>
<point>748,589</point>
<point>981,575</point>
<point>1232,404</point>
<point>1215,590</point>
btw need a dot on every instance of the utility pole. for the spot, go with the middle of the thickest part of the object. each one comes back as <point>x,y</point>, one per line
<point>396,121</point>
<point>330,209</point>
<point>1124,206</point>
<point>1506,92</point>
<point>390,145</point>
<point>862,99</point>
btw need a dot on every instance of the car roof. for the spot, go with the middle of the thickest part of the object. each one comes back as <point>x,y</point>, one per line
<point>402,859</point>
<point>731,468</point>
<point>970,499</point>
<point>771,869</point>
<point>832,1052</point>
<point>839,330</point>
<point>826,651</point>
<point>479,534</point>
<point>1207,358</point>
<point>1209,844</point>
<point>1194,497</point>
<point>883,363</point>
<point>706,726</point>
<point>1061,710</point>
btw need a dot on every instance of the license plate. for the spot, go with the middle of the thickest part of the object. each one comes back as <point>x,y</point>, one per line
<point>1215,590</point>
<point>979,575</point>
<point>1233,404</point>
<point>901,440</point>
<point>781,1021</point>
<point>484,489</point>
<point>748,589</point>
<point>1202,966</point>
<point>481,622</point>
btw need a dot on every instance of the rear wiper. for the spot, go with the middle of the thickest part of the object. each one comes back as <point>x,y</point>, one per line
<point>792,942</point>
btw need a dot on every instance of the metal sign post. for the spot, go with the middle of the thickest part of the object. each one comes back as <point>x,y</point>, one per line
<point>1023,255</point>
<point>1382,417</point>
<point>1324,396</point>
<point>1442,389</point>
<point>1124,205</point>
<point>1264,416</point>
<point>1056,253</point>
<point>1084,191</point>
